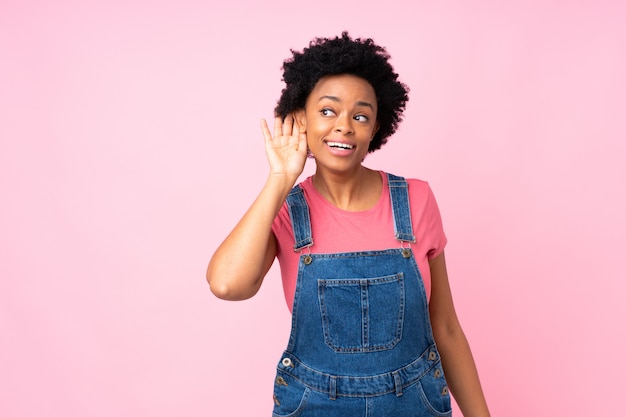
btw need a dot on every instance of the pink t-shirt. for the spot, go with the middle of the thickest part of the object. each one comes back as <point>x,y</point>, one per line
<point>335,230</point>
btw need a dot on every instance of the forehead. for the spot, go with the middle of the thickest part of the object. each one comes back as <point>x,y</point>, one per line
<point>345,87</point>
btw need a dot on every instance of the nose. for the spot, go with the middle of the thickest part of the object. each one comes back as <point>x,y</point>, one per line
<point>344,125</point>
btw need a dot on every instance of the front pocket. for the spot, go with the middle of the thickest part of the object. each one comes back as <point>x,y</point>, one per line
<point>434,392</point>
<point>362,314</point>
<point>290,396</point>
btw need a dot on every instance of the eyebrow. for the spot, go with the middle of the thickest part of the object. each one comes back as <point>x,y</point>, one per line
<point>359,103</point>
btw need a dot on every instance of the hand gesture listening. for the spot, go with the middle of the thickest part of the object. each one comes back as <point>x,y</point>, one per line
<point>287,149</point>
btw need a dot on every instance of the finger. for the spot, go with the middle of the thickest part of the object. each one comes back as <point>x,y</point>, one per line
<point>266,131</point>
<point>288,125</point>
<point>298,124</point>
<point>278,126</point>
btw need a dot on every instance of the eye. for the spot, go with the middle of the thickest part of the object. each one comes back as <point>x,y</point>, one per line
<point>327,112</point>
<point>361,118</point>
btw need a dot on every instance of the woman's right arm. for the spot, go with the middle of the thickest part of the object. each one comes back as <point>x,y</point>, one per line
<point>240,263</point>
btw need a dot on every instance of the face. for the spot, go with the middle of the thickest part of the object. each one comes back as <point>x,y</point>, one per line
<point>339,119</point>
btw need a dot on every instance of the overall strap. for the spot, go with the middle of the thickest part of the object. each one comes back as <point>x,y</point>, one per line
<point>399,193</point>
<point>300,218</point>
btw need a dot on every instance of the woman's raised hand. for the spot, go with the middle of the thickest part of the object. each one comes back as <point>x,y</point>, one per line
<point>287,149</point>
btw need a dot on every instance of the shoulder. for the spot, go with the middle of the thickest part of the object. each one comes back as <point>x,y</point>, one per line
<point>416,186</point>
<point>421,195</point>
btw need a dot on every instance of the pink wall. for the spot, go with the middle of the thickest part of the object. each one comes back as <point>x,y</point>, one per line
<point>130,145</point>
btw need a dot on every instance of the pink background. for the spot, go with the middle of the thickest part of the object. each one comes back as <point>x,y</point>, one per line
<point>130,145</point>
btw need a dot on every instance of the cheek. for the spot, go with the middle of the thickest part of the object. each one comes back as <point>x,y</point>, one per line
<point>310,142</point>
<point>315,131</point>
<point>369,134</point>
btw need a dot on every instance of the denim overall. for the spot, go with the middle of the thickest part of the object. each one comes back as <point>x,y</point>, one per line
<point>361,342</point>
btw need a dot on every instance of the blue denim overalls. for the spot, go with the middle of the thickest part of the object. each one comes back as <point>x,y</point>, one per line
<point>361,342</point>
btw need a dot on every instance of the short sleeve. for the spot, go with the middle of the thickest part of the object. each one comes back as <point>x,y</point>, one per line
<point>435,232</point>
<point>281,227</point>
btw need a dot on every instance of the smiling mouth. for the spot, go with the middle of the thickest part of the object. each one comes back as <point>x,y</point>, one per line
<point>338,145</point>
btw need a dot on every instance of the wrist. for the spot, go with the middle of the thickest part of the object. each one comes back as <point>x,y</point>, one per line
<point>282,182</point>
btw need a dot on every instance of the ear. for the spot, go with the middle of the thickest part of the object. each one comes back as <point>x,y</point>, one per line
<point>300,118</point>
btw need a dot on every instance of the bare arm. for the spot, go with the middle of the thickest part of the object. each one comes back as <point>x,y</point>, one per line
<point>240,263</point>
<point>456,356</point>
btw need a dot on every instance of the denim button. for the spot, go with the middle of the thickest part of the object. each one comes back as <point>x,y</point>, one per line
<point>287,363</point>
<point>437,373</point>
<point>444,391</point>
<point>281,381</point>
<point>307,259</point>
<point>406,253</point>
<point>432,355</point>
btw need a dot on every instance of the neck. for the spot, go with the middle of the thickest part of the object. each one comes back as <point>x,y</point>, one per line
<point>356,191</point>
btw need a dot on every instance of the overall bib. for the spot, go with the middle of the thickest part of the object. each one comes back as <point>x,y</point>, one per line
<point>361,342</point>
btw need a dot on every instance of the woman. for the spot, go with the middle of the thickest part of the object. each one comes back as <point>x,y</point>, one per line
<point>374,328</point>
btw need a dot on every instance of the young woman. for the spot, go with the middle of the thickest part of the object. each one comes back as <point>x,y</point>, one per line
<point>361,251</point>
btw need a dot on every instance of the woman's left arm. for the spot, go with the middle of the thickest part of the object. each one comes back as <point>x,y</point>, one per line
<point>456,356</point>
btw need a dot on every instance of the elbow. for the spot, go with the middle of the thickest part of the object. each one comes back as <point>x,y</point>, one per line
<point>448,334</point>
<point>219,287</point>
<point>225,290</point>
<point>221,291</point>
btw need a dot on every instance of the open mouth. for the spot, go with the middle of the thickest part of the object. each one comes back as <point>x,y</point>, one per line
<point>339,145</point>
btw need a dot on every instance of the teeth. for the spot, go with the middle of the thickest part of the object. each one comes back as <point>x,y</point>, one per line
<point>339,145</point>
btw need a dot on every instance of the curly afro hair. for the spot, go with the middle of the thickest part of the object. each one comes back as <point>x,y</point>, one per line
<point>344,55</point>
